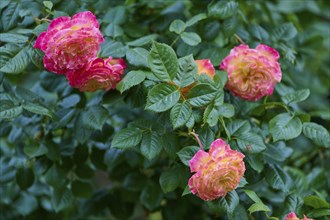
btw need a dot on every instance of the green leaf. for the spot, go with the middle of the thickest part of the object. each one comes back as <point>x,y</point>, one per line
<point>177,26</point>
<point>285,32</point>
<point>238,127</point>
<point>48,4</point>
<point>220,79</point>
<point>230,26</point>
<point>113,30</point>
<point>226,110</point>
<point>61,199</point>
<point>201,95</point>
<point>251,142</point>
<point>17,63</point>
<point>162,97</point>
<point>10,16</point>
<point>113,48</point>
<point>131,79</point>
<point>163,61</point>
<point>127,138</point>
<point>186,153</point>
<point>230,202</point>
<point>316,202</point>
<point>285,127</point>
<point>317,133</point>
<point>277,178</point>
<point>222,9</point>
<point>211,115</point>
<point>187,71</point>
<point>24,177</point>
<point>169,180</point>
<point>9,110</point>
<point>142,41</point>
<point>151,145</point>
<point>116,15</point>
<point>258,32</point>
<point>38,109</point>
<point>35,151</point>
<point>180,114</point>
<point>297,96</point>
<point>191,38</point>
<point>94,117</point>
<point>186,191</point>
<point>137,57</point>
<point>13,38</point>
<point>258,207</point>
<point>151,196</point>
<point>81,189</point>
<point>192,21</point>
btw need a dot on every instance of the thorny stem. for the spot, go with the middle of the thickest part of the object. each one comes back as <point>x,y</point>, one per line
<point>197,138</point>
<point>239,39</point>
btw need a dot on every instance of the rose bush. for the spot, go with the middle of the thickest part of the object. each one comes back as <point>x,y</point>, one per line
<point>141,86</point>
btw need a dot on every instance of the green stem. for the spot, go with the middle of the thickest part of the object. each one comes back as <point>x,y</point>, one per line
<point>224,127</point>
<point>175,40</point>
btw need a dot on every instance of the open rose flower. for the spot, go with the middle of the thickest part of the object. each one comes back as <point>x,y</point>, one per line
<point>217,172</point>
<point>68,43</point>
<point>252,73</point>
<point>293,216</point>
<point>98,74</point>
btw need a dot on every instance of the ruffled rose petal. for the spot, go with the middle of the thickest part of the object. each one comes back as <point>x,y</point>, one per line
<point>97,74</point>
<point>69,44</point>
<point>252,73</point>
<point>217,172</point>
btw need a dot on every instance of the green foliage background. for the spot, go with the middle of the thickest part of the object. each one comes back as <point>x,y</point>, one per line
<point>124,154</point>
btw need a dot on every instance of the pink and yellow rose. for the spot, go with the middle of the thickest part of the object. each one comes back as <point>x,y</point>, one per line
<point>217,172</point>
<point>252,73</point>
<point>98,74</point>
<point>68,43</point>
<point>205,67</point>
<point>293,216</point>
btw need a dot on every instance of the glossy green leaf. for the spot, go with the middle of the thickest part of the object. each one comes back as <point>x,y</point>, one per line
<point>277,178</point>
<point>316,202</point>
<point>180,114</point>
<point>9,110</point>
<point>317,133</point>
<point>194,20</point>
<point>201,95</point>
<point>94,117</point>
<point>187,71</point>
<point>131,79</point>
<point>163,61</point>
<point>162,97</point>
<point>285,127</point>
<point>143,40</point>
<point>226,110</point>
<point>191,38</point>
<point>151,145</point>
<point>13,38</point>
<point>186,153</point>
<point>17,63</point>
<point>127,138</point>
<point>177,26</point>
<point>222,9</point>
<point>297,96</point>
<point>285,32</point>
<point>251,142</point>
<point>137,57</point>
<point>38,109</point>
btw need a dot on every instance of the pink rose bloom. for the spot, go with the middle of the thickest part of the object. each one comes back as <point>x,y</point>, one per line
<point>68,43</point>
<point>98,74</point>
<point>205,67</point>
<point>252,73</point>
<point>293,216</point>
<point>217,172</point>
